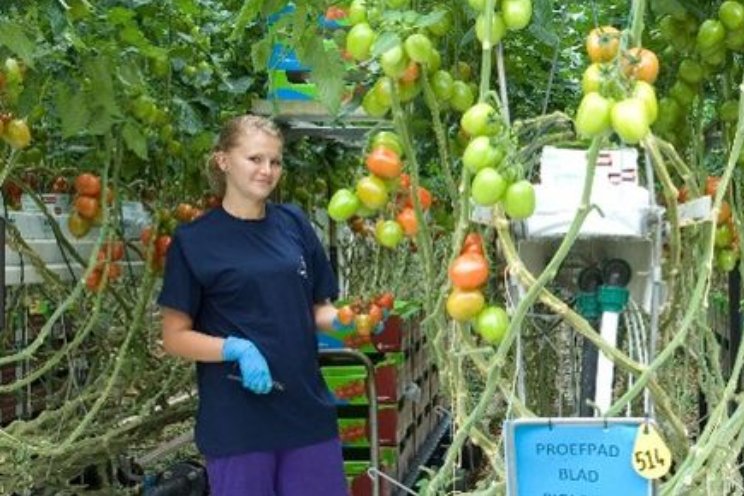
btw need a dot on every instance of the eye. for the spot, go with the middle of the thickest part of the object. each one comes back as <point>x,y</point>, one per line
<point>255,158</point>
<point>276,163</point>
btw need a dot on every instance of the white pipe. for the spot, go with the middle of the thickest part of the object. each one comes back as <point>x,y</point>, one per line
<point>605,367</point>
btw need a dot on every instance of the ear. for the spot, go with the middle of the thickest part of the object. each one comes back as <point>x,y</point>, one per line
<point>221,161</point>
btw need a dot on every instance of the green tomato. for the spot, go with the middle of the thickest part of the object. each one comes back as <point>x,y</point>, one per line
<point>389,140</point>
<point>343,205</point>
<point>398,4</point>
<point>462,96</point>
<point>481,120</point>
<point>394,62</point>
<point>519,200</point>
<point>480,154</point>
<point>408,90</point>
<point>724,236</point>
<point>477,5</point>
<point>726,259</point>
<point>357,12</point>
<point>359,41</point>
<point>434,62</point>
<point>669,114</point>
<point>593,78</point>
<point>629,119</point>
<point>710,34</point>
<point>593,115</point>
<point>735,40</point>
<point>683,93</point>
<point>492,323</point>
<point>731,15</point>
<point>516,13</point>
<point>389,233</point>
<point>443,25</point>
<point>442,84</point>
<point>488,187</point>
<point>729,111</point>
<point>383,89</point>
<point>372,105</point>
<point>418,48</point>
<point>498,29</point>
<point>690,71</point>
<point>647,93</point>
<point>372,192</point>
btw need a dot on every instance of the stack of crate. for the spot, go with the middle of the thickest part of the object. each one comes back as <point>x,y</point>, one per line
<point>404,378</point>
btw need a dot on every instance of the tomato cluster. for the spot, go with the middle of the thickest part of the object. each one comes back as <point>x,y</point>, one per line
<point>364,316</point>
<point>705,48</point>
<point>351,390</point>
<point>386,188</point>
<point>618,88</point>
<point>106,265</point>
<point>468,274</point>
<point>156,244</point>
<point>726,236</point>
<point>86,204</point>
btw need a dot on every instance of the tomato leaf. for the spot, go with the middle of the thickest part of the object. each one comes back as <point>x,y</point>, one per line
<point>260,53</point>
<point>248,12</point>
<point>430,18</point>
<point>384,42</point>
<point>542,26</point>
<point>134,139</point>
<point>102,95</point>
<point>72,110</point>
<point>327,71</point>
<point>13,37</point>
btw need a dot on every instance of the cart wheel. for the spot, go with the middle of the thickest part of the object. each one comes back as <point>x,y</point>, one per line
<point>590,279</point>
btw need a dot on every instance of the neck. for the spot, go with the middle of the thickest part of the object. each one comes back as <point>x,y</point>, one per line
<point>244,209</point>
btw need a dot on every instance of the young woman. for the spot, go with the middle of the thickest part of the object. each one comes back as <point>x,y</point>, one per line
<point>246,286</point>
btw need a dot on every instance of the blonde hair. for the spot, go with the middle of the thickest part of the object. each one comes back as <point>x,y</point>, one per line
<point>228,139</point>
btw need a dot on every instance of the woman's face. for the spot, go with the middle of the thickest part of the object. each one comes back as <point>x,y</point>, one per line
<point>253,167</point>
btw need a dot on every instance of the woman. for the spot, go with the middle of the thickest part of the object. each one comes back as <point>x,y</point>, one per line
<point>245,288</point>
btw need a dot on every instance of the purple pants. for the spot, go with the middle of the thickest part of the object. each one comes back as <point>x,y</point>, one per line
<point>316,470</point>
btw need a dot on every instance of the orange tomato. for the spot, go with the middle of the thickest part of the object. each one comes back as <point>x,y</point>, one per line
<point>93,281</point>
<point>411,73</point>
<point>724,214</point>
<point>469,271</point>
<point>641,63</point>
<point>407,219</point>
<point>384,163</point>
<point>162,244</point>
<point>464,305</point>
<point>711,185</point>
<point>603,43</point>
<point>346,315</point>
<point>184,212</point>
<point>424,196</point>
<point>473,243</point>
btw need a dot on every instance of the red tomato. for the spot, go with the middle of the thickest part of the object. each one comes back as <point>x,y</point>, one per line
<point>88,184</point>
<point>162,244</point>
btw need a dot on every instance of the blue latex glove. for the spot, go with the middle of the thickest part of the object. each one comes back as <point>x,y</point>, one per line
<point>253,367</point>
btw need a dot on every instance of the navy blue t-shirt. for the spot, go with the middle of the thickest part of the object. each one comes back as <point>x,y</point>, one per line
<point>256,279</point>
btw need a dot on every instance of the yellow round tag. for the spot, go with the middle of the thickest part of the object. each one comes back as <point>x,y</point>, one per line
<point>651,456</point>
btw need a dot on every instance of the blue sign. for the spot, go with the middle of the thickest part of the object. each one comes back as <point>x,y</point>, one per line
<point>573,457</point>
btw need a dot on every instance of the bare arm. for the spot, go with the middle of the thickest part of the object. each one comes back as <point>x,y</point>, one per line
<point>324,314</point>
<point>180,339</point>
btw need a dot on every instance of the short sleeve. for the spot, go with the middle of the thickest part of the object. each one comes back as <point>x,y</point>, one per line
<point>181,290</point>
<point>323,279</point>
